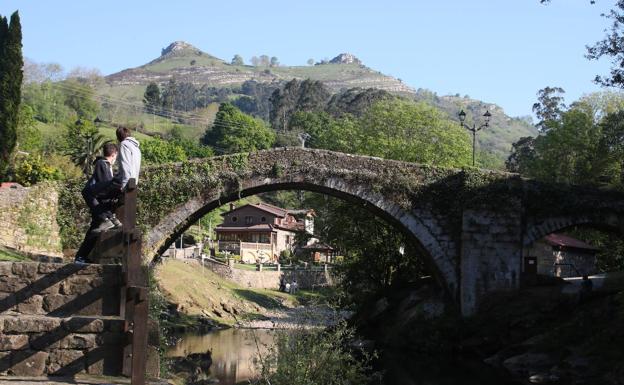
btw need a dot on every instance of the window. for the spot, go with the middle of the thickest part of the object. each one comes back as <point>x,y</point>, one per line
<point>263,219</point>
<point>234,219</point>
<point>264,238</point>
<point>248,220</point>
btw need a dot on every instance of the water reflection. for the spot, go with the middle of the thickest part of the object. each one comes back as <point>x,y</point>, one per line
<point>233,351</point>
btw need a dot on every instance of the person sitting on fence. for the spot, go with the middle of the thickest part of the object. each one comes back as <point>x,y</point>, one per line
<point>102,218</point>
<point>293,287</point>
<point>129,158</point>
<point>287,287</point>
<point>282,284</point>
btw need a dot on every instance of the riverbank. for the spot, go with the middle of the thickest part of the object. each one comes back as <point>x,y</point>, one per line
<point>196,298</point>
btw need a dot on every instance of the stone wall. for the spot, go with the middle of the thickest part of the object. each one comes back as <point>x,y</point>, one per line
<point>35,346</point>
<point>491,255</point>
<point>270,279</point>
<point>28,219</point>
<point>60,319</point>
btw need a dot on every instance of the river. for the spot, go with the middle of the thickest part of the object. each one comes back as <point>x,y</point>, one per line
<point>233,353</point>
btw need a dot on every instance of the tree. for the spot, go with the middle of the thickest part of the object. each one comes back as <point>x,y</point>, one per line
<point>11,63</point>
<point>151,98</point>
<point>297,95</point>
<point>156,151</point>
<point>274,61</point>
<point>611,46</point>
<point>79,96</point>
<point>84,143</point>
<point>237,60</point>
<point>265,61</point>
<point>29,138</point>
<point>548,107</point>
<point>522,155</point>
<point>255,61</point>
<point>310,61</point>
<point>234,131</point>
<point>413,132</point>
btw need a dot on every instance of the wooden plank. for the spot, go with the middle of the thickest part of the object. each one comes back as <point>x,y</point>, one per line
<point>139,337</point>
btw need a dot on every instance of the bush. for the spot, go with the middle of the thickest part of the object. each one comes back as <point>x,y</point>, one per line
<point>32,169</point>
<point>314,357</point>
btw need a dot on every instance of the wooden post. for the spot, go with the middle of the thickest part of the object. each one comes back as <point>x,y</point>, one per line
<point>134,303</point>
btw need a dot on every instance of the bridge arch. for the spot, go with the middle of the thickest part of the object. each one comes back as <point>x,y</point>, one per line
<point>419,224</point>
<point>602,221</point>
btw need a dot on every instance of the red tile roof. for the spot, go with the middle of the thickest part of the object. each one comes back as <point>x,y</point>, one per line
<point>565,241</point>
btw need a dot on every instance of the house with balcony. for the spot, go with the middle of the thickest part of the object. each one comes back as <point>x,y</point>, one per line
<point>259,232</point>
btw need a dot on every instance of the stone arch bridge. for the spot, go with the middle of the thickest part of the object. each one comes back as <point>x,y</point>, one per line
<point>471,225</point>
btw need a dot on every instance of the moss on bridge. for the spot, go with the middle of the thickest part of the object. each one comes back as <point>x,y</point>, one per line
<point>447,192</point>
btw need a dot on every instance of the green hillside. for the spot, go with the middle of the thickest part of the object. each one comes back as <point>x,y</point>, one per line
<point>122,93</point>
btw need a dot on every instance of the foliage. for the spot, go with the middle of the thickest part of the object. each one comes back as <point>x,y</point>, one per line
<point>79,96</point>
<point>234,131</point>
<point>391,129</point>
<point>610,256</point>
<point>549,106</point>
<point>612,46</point>
<point>296,95</point>
<point>355,101</point>
<point>314,357</point>
<point>157,151</point>
<point>151,98</point>
<point>84,143</point>
<point>583,145</point>
<point>29,138</point>
<point>47,101</point>
<point>237,60</point>
<point>11,75</point>
<point>32,169</point>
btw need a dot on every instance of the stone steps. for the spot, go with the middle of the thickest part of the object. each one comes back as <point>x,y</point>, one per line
<point>59,290</point>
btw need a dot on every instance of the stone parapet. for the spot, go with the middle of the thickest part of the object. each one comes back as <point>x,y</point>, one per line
<point>32,288</point>
<point>41,345</point>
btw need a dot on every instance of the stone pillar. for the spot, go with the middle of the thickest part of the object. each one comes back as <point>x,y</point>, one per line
<point>325,268</point>
<point>231,262</point>
<point>259,267</point>
<point>279,267</point>
<point>491,255</point>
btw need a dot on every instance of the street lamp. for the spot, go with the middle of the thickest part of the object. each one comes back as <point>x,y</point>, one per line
<point>474,129</point>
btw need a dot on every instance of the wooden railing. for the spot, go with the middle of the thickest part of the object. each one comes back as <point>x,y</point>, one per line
<point>134,294</point>
<point>255,246</point>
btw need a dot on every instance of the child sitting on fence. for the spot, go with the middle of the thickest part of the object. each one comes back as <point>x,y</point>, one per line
<point>95,195</point>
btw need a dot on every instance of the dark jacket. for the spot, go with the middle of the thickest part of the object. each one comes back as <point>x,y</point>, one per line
<point>101,178</point>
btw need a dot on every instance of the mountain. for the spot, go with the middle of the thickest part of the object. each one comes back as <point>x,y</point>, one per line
<point>186,63</point>
<point>190,64</point>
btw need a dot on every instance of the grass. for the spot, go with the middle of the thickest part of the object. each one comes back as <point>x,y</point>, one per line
<point>198,292</point>
<point>9,255</point>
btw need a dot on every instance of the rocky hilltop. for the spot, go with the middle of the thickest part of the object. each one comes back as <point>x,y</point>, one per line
<point>187,63</point>
<point>345,58</point>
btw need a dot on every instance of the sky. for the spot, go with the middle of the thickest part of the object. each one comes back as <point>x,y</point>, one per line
<point>498,51</point>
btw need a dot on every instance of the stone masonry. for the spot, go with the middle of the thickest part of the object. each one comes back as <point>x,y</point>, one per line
<point>60,319</point>
<point>270,279</point>
<point>28,219</point>
<point>470,225</point>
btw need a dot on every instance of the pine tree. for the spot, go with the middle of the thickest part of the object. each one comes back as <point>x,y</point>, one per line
<point>11,63</point>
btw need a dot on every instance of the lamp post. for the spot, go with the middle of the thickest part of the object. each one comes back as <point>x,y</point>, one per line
<point>474,129</point>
